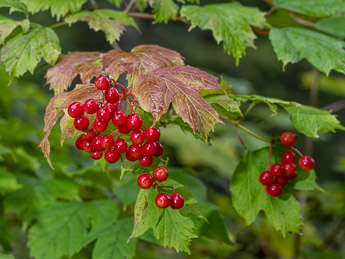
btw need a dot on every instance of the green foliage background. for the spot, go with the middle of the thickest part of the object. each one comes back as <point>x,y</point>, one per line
<point>31,190</point>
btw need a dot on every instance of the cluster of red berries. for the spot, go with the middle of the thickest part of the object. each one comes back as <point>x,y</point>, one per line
<point>106,110</point>
<point>163,200</point>
<point>279,174</point>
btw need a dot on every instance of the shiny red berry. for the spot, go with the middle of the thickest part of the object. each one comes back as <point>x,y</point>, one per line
<point>162,200</point>
<point>112,106</point>
<point>281,181</point>
<point>104,114</point>
<point>160,173</point>
<point>89,135</point>
<point>277,169</point>
<point>79,143</point>
<point>287,139</point>
<point>121,145</point>
<point>124,129</point>
<point>288,157</point>
<point>177,201</point>
<point>119,118</point>
<point>149,148</point>
<point>145,181</point>
<point>107,141</point>
<point>97,143</point>
<point>90,106</point>
<point>134,151</point>
<point>130,158</point>
<point>87,146</point>
<point>293,176</point>
<point>274,190</point>
<point>134,122</point>
<point>111,156</point>
<point>102,83</point>
<point>81,123</point>
<point>111,95</point>
<point>266,178</point>
<point>137,137</point>
<point>152,134</point>
<point>145,161</point>
<point>289,170</point>
<point>75,110</point>
<point>96,155</point>
<point>100,126</point>
<point>306,163</point>
<point>160,150</point>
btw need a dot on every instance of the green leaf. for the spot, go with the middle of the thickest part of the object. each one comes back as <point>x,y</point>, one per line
<point>62,228</point>
<point>164,9</point>
<point>6,237</point>
<point>294,44</point>
<point>23,52</point>
<point>111,241</point>
<point>14,5</point>
<point>111,22</point>
<point>6,256</point>
<point>249,196</point>
<point>309,120</point>
<point>332,25</point>
<point>169,226</point>
<point>8,182</point>
<point>229,22</point>
<point>306,181</point>
<point>225,105</point>
<point>117,3</point>
<point>135,167</point>
<point>8,25</point>
<point>58,8</point>
<point>315,8</point>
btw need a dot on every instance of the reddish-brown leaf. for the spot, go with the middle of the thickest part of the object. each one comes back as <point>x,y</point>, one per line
<point>57,106</point>
<point>140,60</point>
<point>86,64</point>
<point>180,85</point>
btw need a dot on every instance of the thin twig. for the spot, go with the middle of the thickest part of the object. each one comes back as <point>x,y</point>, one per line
<point>129,6</point>
<point>301,21</point>
<point>269,164</point>
<point>94,4</point>
<point>240,139</point>
<point>152,17</point>
<point>270,11</point>
<point>336,106</point>
<point>55,25</point>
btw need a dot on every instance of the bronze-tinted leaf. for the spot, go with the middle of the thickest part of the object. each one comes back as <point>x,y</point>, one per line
<point>140,60</point>
<point>86,64</point>
<point>56,107</point>
<point>180,85</point>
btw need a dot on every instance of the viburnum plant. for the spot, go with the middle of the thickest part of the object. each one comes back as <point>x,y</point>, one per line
<point>119,124</point>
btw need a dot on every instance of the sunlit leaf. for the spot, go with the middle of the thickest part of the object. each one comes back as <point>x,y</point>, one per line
<point>8,25</point>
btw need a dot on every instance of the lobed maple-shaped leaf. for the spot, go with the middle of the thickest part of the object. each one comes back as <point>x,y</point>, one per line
<point>23,52</point>
<point>8,25</point>
<point>332,25</point>
<point>111,22</point>
<point>14,5</point>
<point>291,45</point>
<point>140,60</point>
<point>181,86</point>
<point>57,105</point>
<point>86,64</point>
<point>58,8</point>
<point>229,22</point>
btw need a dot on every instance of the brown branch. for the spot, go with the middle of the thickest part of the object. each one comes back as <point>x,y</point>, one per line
<point>151,17</point>
<point>301,21</point>
<point>336,106</point>
<point>129,6</point>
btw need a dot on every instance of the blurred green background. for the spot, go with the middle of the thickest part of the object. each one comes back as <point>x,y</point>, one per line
<point>76,177</point>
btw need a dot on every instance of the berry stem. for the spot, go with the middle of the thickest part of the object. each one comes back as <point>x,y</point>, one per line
<point>165,186</point>
<point>55,25</point>
<point>250,107</point>
<point>269,164</point>
<point>297,151</point>
<point>165,161</point>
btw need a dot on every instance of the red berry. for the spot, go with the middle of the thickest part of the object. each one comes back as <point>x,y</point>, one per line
<point>104,114</point>
<point>293,176</point>
<point>145,161</point>
<point>87,146</point>
<point>266,178</point>
<point>112,106</point>
<point>130,158</point>
<point>134,151</point>
<point>100,126</point>
<point>160,173</point>
<point>75,109</point>
<point>306,163</point>
<point>107,141</point>
<point>89,135</point>
<point>96,155</point>
<point>111,156</point>
<point>124,129</point>
<point>119,118</point>
<point>111,95</point>
<point>287,139</point>
<point>177,201</point>
<point>145,181</point>
<point>149,148</point>
<point>90,106</point>
<point>152,134</point>
<point>289,170</point>
<point>102,83</point>
<point>134,122</point>
<point>277,169</point>
<point>163,200</point>
<point>160,149</point>
<point>288,157</point>
<point>97,143</point>
<point>274,190</point>
<point>121,145</point>
<point>281,181</point>
<point>137,137</point>
<point>81,123</point>
<point>79,143</point>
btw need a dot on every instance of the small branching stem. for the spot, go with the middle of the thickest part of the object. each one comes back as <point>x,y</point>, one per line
<point>56,25</point>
